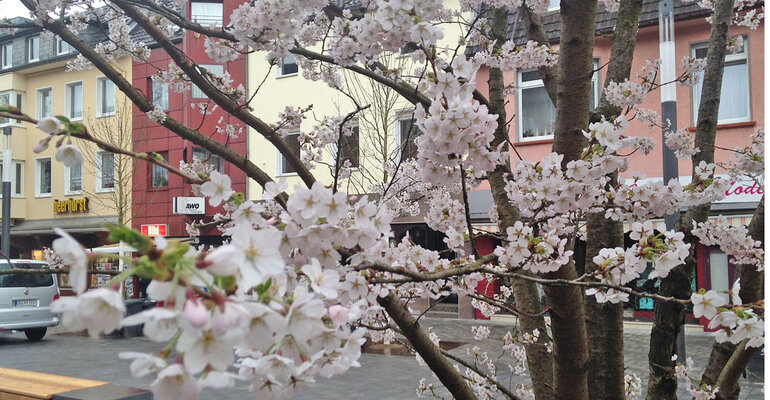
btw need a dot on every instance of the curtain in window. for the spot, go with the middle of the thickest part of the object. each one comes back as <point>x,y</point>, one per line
<point>197,93</point>
<point>160,174</point>
<point>108,96</point>
<point>160,94</point>
<point>76,178</point>
<point>206,13</point>
<point>537,112</point>
<point>75,98</point>
<point>46,106</point>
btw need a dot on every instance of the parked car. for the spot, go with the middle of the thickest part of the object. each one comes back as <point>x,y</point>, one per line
<point>25,299</point>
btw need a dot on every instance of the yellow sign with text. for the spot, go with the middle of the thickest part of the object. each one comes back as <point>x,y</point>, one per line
<point>70,206</point>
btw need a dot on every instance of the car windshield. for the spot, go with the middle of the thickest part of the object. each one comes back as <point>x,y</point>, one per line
<point>24,280</point>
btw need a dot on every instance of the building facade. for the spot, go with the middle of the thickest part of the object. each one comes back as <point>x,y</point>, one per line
<point>163,203</point>
<point>46,194</point>
<point>741,112</point>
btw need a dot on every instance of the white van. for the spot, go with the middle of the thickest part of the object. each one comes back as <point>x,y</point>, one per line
<point>25,299</point>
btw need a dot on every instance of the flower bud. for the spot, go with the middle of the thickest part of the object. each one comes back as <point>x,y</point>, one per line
<point>339,314</point>
<point>195,313</point>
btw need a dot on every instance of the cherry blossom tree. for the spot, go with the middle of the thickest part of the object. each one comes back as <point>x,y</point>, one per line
<point>304,264</point>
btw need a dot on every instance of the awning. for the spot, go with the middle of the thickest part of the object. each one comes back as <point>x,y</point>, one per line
<point>77,224</point>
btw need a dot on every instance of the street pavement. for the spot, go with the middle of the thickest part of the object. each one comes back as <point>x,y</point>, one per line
<point>379,377</point>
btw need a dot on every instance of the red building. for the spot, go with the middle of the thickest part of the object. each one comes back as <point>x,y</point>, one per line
<point>155,191</point>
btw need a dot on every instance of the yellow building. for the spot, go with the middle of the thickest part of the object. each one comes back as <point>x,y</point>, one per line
<point>384,128</point>
<point>45,193</point>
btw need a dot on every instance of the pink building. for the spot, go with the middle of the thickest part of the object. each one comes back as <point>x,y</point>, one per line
<point>741,112</point>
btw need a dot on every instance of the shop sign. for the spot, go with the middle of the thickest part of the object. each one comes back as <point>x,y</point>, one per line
<point>154,229</point>
<point>744,190</point>
<point>70,206</point>
<point>189,205</point>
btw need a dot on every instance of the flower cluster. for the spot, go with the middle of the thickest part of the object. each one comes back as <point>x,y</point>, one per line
<point>682,143</point>
<point>749,160</point>
<point>735,241</point>
<point>692,70</point>
<point>697,390</point>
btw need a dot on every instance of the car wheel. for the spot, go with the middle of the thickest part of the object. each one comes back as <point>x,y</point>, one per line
<point>33,335</point>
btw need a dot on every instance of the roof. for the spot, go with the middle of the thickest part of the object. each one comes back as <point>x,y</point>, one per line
<point>605,20</point>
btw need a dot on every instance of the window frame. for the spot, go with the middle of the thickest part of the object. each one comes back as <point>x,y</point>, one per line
<point>403,115</point>
<point>38,101</point>
<point>14,100</point>
<point>98,184</point>
<point>100,97</point>
<point>279,71</point>
<point>729,59</point>
<point>38,181</point>
<point>335,149</point>
<point>521,86</point>
<point>208,158</point>
<point>6,48</point>
<point>17,183</point>
<point>30,41</point>
<point>153,86</point>
<point>67,181</point>
<point>195,96</point>
<point>59,42</point>
<point>155,167</point>
<point>218,24</point>
<point>279,172</point>
<point>68,105</point>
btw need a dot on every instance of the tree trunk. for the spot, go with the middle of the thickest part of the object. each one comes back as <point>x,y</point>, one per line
<point>450,377</point>
<point>751,291</point>
<point>604,322</point>
<point>539,360</point>
<point>578,21</point>
<point>669,316</point>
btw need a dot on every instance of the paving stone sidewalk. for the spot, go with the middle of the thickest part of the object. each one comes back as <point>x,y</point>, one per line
<point>380,376</point>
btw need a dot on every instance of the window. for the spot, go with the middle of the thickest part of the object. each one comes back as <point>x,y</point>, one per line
<point>349,146</point>
<point>408,48</point>
<point>74,100</point>
<point>536,112</point>
<point>44,102</point>
<point>197,93</point>
<point>735,104</point>
<point>211,159</point>
<point>159,94</point>
<point>407,133</point>
<point>284,167</point>
<point>62,47</point>
<point>158,174</point>
<point>33,48</point>
<point>17,181</point>
<point>43,177</point>
<point>13,98</point>
<point>105,97</point>
<point>206,13</point>
<point>288,66</point>
<point>553,5</point>
<point>105,171</point>
<point>73,179</point>
<point>7,55</point>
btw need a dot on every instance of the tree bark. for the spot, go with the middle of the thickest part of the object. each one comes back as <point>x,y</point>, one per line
<point>669,316</point>
<point>751,291</point>
<point>450,377</point>
<point>728,379</point>
<point>578,21</point>
<point>604,322</point>
<point>539,360</point>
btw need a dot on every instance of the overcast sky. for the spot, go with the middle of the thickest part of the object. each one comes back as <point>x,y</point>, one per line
<point>13,8</point>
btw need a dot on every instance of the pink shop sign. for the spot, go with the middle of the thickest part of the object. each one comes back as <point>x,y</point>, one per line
<point>745,190</point>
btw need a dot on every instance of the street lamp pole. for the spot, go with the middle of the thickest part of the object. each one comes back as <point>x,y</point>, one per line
<point>668,116</point>
<point>5,241</point>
